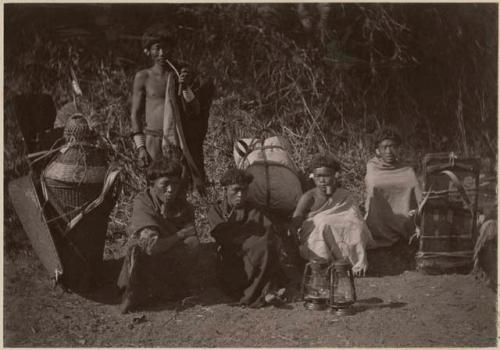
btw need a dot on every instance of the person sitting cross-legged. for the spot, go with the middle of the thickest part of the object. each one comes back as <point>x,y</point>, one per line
<point>327,221</point>
<point>248,265</point>
<point>163,245</point>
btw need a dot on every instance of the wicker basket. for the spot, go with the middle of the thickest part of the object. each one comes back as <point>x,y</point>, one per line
<point>77,129</point>
<point>66,197</point>
<point>76,175</point>
<point>78,164</point>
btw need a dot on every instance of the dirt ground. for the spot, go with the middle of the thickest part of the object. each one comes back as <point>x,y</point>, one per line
<point>402,310</point>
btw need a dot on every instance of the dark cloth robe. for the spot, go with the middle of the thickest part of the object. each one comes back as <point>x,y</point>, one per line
<point>159,272</point>
<point>190,134</point>
<point>146,212</point>
<point>248,262</point>
<point>195,125</point>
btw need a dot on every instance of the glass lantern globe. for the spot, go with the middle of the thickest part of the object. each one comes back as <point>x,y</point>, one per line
<point>315,287</point>
<point>342,288</point>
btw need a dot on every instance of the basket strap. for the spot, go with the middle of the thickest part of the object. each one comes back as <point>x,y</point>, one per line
<point>249,149</point>
<point>111,178</point>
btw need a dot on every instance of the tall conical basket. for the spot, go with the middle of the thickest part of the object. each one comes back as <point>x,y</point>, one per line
<point>76,174</point>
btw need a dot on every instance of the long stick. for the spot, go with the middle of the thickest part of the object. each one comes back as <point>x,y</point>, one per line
<point>176,72</point>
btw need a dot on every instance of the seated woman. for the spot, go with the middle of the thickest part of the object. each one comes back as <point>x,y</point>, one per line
<point>248,264</point>
<point>392,192</point>
<point>163,242</point>
<point>328,222</point>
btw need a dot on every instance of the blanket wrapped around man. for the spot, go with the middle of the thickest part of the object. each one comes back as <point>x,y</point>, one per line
<point>336,226</point>
<point>248,265</point>
<point>147,212</point>
<point>392,191</point>
<point>161,273</point>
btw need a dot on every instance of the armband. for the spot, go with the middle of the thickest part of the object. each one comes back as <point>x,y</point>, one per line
<point>139,140</point>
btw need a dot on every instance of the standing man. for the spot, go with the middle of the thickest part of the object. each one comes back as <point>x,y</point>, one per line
<point>176,110</point>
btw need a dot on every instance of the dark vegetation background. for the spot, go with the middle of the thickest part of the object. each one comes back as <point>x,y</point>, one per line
<point>326,77</point>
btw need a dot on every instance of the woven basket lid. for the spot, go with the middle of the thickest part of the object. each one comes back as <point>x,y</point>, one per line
<point>77,129</point>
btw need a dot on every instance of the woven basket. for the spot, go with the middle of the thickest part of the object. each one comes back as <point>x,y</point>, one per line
<point>79,164</point>
<point>77,129</point>
<point>77,173</point>
<point>67,197</point>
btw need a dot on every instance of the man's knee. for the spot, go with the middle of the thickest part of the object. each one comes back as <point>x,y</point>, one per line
<point>192,243</point>
<point>148,239</point>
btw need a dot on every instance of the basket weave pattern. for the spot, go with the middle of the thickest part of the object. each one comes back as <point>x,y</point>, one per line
<point>76,175</point>
<point>67,197</point>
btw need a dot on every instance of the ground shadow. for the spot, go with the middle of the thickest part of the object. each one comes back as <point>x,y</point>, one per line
<point>376,303</point>
<point>372,300</point>
<point>392,261</point>
<point>106,291</point>
<point>200,287</point>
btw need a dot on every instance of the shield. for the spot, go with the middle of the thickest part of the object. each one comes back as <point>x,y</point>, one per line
<point>27,205</point>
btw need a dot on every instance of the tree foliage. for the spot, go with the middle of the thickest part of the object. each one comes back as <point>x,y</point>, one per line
<point>325,76</point>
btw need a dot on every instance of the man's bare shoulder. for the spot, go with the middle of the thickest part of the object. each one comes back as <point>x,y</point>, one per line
<point>142,75</point>
<point>308,198</point>
<point>311,194</point>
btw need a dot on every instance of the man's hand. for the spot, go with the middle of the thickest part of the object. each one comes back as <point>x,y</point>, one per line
<point>359,270</point>
<point>185,78</point>
<point>171,151</point>
<point>143,157</point>
<point>186,232</point>
<point>192,242</point>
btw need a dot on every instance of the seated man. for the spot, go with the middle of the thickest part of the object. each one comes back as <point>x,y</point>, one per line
<point>248,264</point>
<point>392,192</point>
<point>328,222</point>
<point>163,242</point>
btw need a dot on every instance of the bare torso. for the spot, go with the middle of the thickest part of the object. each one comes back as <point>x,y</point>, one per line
<point>154,87</point>
<point>312,200</point>
<point>149,87</point>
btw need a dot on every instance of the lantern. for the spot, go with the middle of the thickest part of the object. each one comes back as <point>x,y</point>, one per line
<point>315,287</point>
<point>342,289</point>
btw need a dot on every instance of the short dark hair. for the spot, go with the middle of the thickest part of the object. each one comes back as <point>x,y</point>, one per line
<point>235,176</point>
<point>163,167</point>
<point>157,34</point>
<point>325,161</point>
<point>387,134</point>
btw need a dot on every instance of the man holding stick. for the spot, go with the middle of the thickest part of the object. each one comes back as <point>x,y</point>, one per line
<point>175,108</point>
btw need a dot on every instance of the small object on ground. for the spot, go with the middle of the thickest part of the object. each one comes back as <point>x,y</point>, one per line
<point>275,298</point>
<point>139,319</point>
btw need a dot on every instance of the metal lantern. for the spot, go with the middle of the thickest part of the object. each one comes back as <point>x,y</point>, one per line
<point>342,289</point>
<point>315,287</point>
